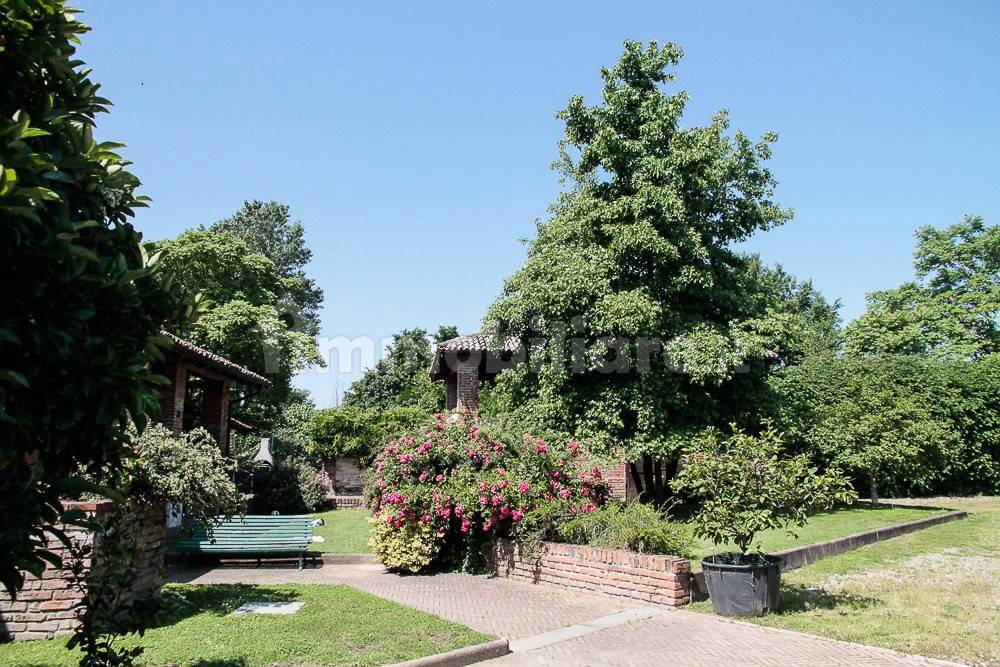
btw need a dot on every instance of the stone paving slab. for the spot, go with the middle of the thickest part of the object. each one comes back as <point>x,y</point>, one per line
<point>557,626</point>
<point>502,607</point>
<point>692,639</point>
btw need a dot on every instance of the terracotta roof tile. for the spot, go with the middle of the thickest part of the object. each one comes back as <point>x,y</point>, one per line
<point>477,342</point>
<point>190,351</point>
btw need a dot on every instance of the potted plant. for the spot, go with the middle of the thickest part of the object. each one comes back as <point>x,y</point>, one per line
<point>746,485</point>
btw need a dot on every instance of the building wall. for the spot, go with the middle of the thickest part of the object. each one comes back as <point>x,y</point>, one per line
<point>343,475</point>
<point>47,605</point>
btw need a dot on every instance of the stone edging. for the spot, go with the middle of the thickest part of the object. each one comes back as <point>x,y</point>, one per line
<point>466,655</point>
<point>796,557</point>
<point>345,559</point>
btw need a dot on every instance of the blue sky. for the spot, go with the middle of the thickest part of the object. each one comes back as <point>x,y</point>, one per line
<point>413,139</point>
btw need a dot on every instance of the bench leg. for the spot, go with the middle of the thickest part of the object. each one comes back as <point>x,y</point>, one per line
<point>302,561</point>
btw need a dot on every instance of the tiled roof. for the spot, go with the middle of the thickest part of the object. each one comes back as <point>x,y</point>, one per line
<point>212,360</point>
<point>477,342</point>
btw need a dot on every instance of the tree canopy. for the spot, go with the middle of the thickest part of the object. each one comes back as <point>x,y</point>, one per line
<point>953,308</point>
<point>81,310</point>
<point>248,317</point>
<point>636,263</point>
<point>399,378</point>
<point>268,230</point>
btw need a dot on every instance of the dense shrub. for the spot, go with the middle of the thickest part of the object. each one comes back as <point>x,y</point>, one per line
<point>634,526</point>
<point>286,488</point>
<point>913,425</point>
<point>747,484</point>
<point>463,487</point>
<point>359,432</point>
<point>188,471</point>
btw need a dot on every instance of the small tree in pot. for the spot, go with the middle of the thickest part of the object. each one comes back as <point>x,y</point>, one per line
<point>747,486</point>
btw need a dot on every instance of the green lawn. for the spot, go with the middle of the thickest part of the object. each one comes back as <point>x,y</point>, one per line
<point>935,592</point>
<point>832,524</point>
<point>346,531</point>
<point>337,626</point>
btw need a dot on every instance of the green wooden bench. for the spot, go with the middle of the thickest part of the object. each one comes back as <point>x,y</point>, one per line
<point>251,535</point>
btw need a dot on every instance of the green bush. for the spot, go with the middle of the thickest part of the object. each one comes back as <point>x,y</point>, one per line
<point>361,433</point>
<point>409,548</point>
<point>188,470</point>
<point>286,488</point>
<point>746,484</point>
<point>634,526</point>
<point>913,425</point>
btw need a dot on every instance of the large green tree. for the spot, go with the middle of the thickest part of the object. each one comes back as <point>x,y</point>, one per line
<point>267,229</point>
<point>247,317</point>
<point>81,309</point>
<point>639,253</point>
<point>399,378</point>
<point>953,308</point>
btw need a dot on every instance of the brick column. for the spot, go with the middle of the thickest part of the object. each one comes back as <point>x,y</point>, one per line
<point>451,391</point>
<point>468,384</point>
<point>215,411</point>
<point>172,397</point>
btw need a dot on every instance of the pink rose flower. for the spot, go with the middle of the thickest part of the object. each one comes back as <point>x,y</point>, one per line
<point>517,515</point>
<point>522,487</point>
<point>439,478</point>
<point>565,493</point>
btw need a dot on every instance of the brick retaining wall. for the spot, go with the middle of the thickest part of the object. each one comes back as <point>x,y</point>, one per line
<point>46,606</point>
<point>658,579</point>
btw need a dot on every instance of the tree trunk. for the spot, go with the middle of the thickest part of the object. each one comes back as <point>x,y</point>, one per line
<point>873,489</point>
<point>636,479</point>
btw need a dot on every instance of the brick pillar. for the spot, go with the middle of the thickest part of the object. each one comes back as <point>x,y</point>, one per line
<point>172,397</point>
<point>215,411</point>
<point>451,391</point>
<point>468,384</point>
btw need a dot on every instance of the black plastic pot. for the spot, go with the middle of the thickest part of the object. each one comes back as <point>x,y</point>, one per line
<point>740,586</point>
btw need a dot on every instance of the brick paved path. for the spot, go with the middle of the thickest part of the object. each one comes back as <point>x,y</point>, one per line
<point>555,626</point>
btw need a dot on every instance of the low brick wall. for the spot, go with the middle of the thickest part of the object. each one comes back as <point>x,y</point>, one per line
<point>344,502</point>
<point>47,605</point>
<point>657,579</point>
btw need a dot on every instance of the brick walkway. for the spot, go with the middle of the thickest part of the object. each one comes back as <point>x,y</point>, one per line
<point>554,626</point>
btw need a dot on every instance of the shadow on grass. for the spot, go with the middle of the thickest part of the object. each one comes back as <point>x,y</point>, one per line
<point>215,599</point>
<point>796,598</point>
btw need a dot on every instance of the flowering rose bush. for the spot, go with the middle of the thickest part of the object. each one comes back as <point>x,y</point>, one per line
<point>462,488</point>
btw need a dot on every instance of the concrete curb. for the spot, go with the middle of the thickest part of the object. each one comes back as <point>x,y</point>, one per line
<point>797,557</point>
<point>462,656</point>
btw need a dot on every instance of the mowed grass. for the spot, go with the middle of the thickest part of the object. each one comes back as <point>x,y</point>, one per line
<point>935,592</point>
<point>337,626</point>
<point>346,531</point>
<point>829,525</point>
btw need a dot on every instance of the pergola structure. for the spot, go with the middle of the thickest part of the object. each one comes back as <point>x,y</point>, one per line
<point>189,366</point>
